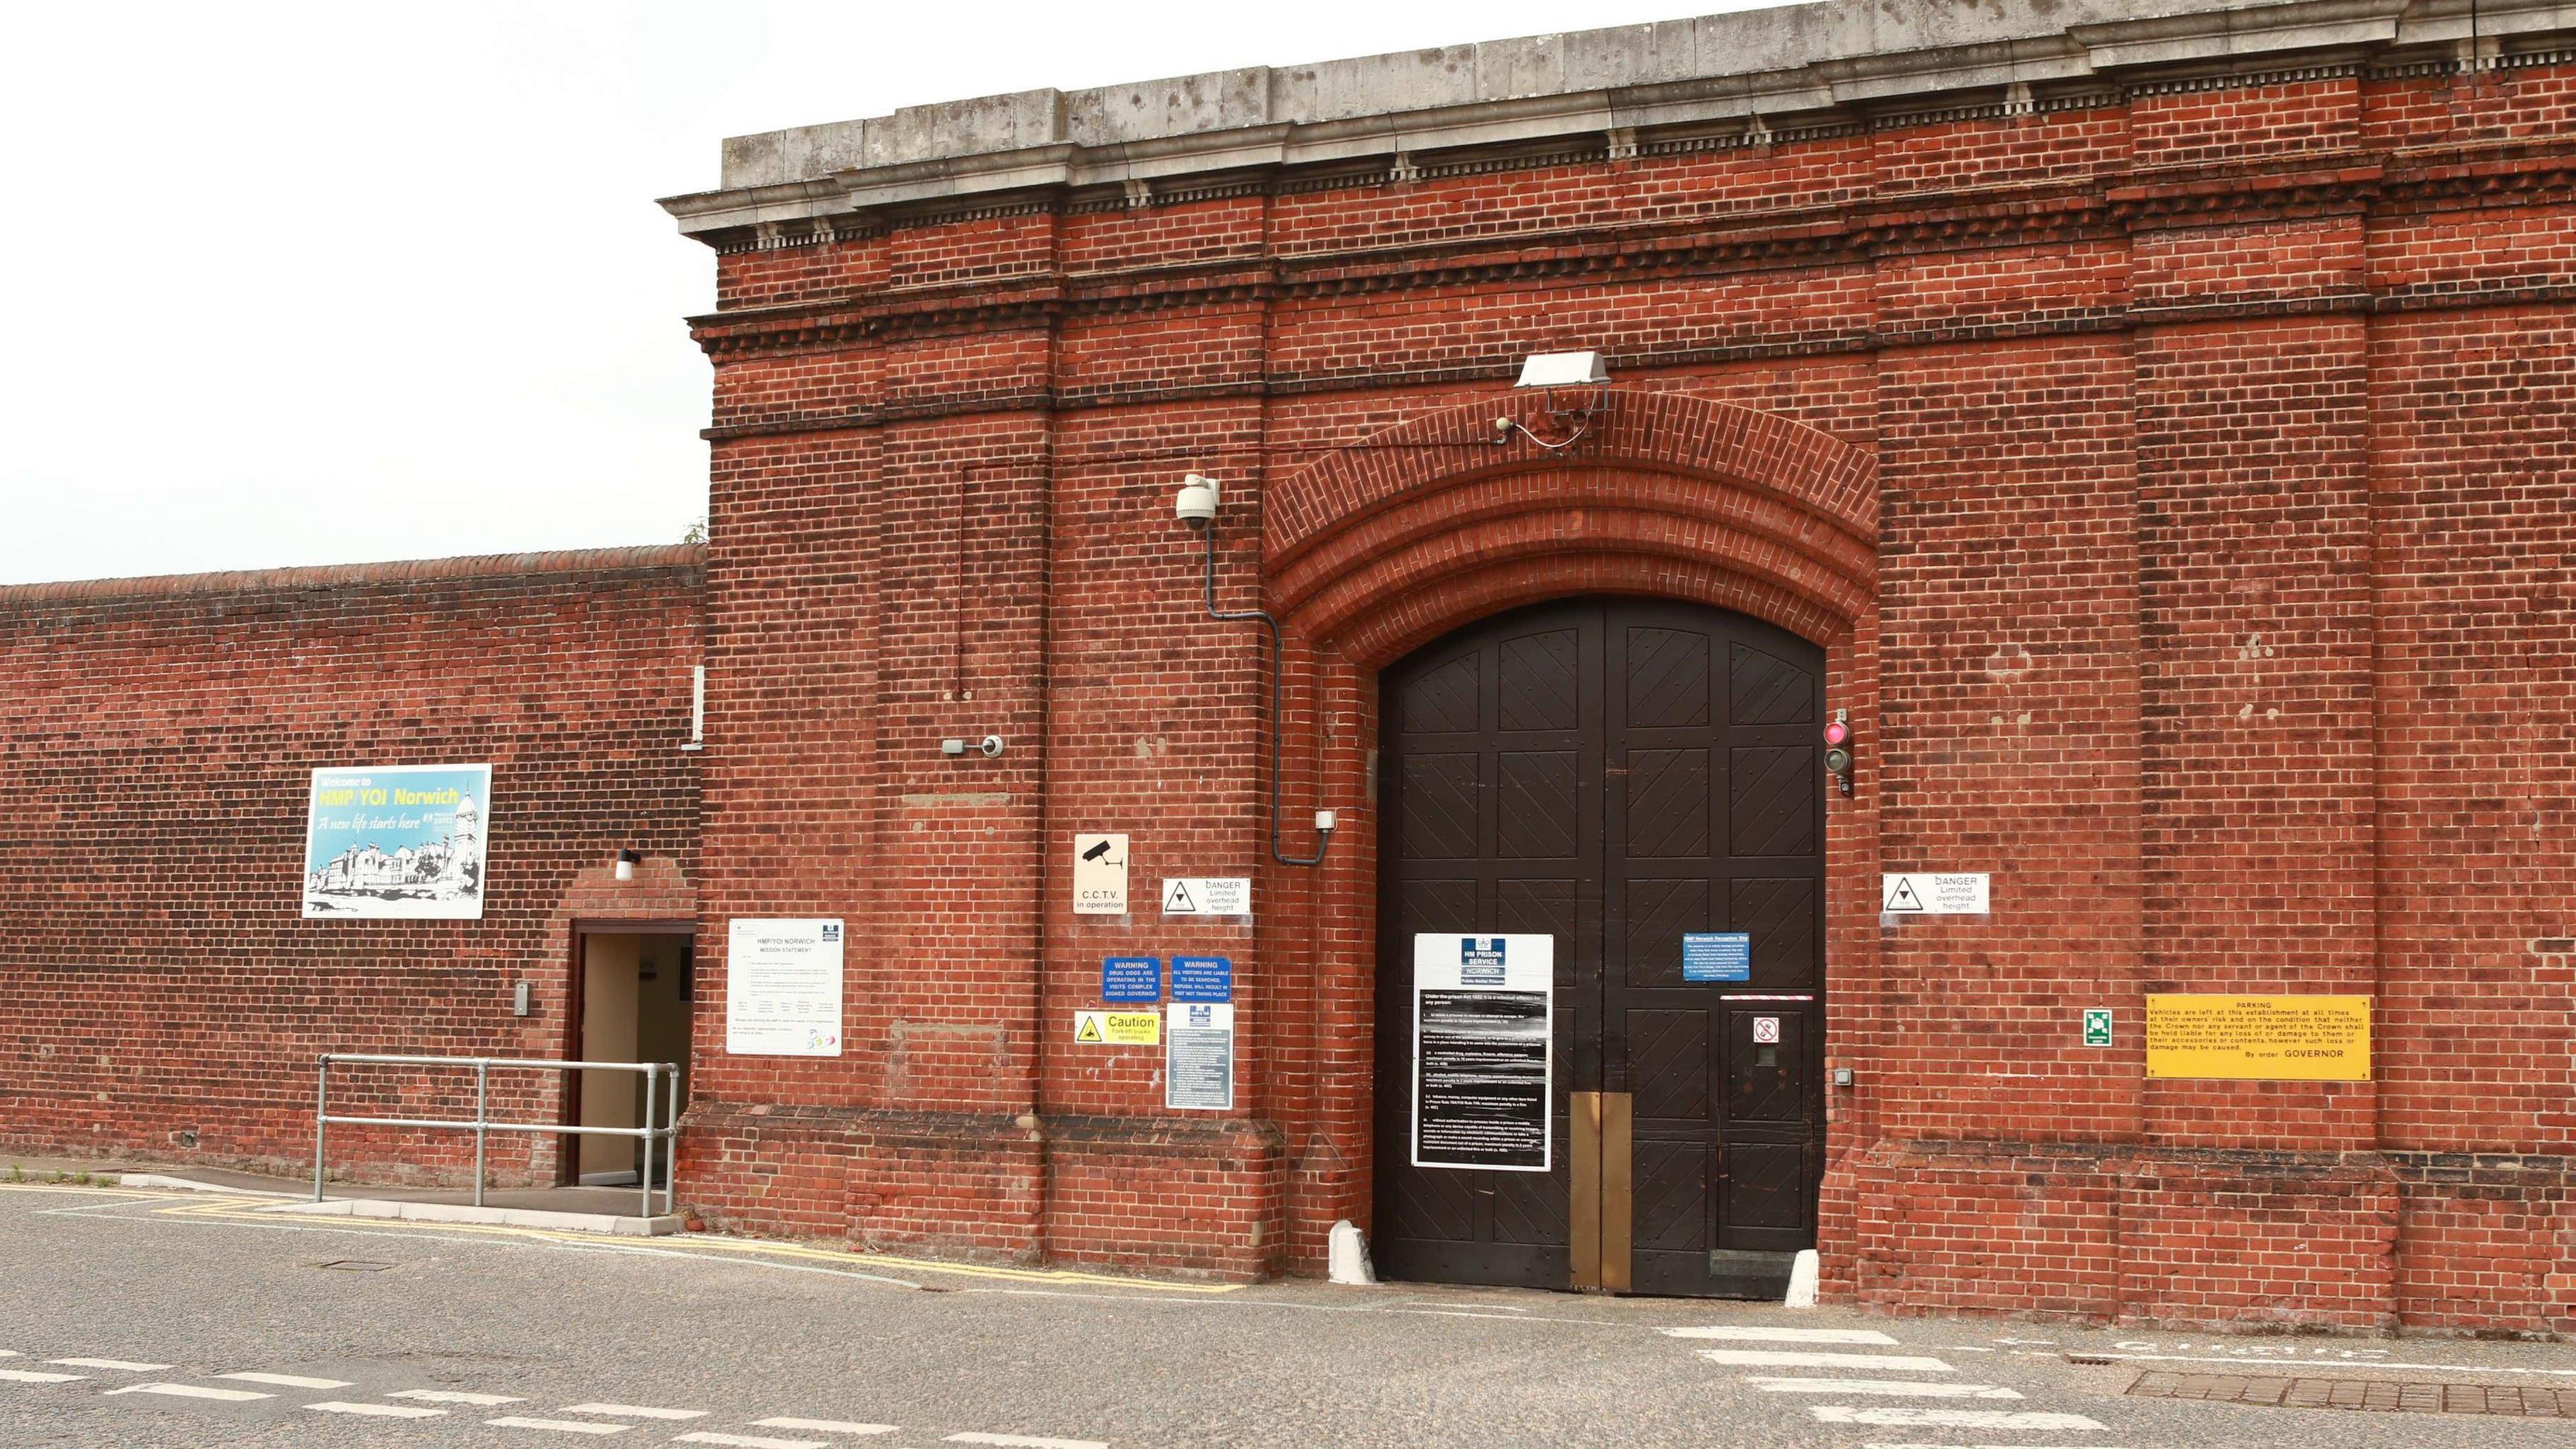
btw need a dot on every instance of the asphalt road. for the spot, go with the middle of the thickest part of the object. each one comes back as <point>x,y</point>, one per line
<point>160,1298</point>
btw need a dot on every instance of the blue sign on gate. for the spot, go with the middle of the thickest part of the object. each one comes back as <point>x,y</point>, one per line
<point>1202,978</point>
<point>1131,978</point>
<point>1717,956</point>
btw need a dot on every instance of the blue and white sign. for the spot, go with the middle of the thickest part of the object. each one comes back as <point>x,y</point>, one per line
<point>1717,956</point>
<point>1202,978</point>
<point>1480,960</point>
<point>1131,978</point>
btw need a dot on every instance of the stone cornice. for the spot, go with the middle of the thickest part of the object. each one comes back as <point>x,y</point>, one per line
<point>2106,207</point>
<point>1613,91</point>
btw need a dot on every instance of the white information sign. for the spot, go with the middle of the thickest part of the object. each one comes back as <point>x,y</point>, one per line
<point>1926,894</point>
<point>1483,1078</point>
<point>783,989</point>
<point>1207,895</point>
<point>1198,1056</point>
<point>1099,875</point>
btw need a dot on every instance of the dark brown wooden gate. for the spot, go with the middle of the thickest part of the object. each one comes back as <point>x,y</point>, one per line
<point>1616,773</point>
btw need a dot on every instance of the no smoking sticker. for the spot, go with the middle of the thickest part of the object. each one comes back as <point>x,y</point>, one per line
<point>1766,1029</point>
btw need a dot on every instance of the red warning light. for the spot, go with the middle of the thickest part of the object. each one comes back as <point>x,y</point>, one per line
<point>1837,732</point>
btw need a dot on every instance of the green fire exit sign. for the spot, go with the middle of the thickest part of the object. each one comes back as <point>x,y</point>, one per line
<point>2097,1026</point>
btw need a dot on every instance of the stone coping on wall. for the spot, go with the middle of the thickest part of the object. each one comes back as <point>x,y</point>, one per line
<point>1747,73</point>
<point>588,561</point>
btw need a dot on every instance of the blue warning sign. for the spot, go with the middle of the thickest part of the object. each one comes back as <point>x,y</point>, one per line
<point>1131,978</point>
<point>1717,956</point>
<point>1202,978</point>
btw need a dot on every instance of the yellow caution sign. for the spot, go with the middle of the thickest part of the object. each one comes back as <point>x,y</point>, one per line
<point>2259,1038</point>
<point>1118,1028</point>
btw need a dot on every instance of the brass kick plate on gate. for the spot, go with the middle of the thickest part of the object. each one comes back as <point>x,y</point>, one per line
<point>1584,1244</point>
<point>1616,1116</point>
<point>1599,1238</point>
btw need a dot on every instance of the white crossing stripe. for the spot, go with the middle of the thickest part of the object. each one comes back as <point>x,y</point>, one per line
<point>29,1376</point>
<point>560,1426</point>
<point>1989,1446</point>
<point>11,1353</point>
<point>635,1411</point>
<point>110,1363</point>
<point>1023,1441</point>
<point>750,1441</point>
<point>288,1381</point>
<point>454,1396</point>
<point>1791,1358</point>
<point>380,1411</point>
<point>192,1391</point>
<point>1784,1335</point>
<point>825,1426</point>
<point>1890,1388</point>
<point>1952,1418</point>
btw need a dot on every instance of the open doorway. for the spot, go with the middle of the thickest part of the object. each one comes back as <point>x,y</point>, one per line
<point>634,994</point>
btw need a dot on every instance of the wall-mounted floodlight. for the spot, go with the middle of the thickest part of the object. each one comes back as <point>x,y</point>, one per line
<point>1563,369</point>
<point>1576,386</point>
<point>1195,505</point>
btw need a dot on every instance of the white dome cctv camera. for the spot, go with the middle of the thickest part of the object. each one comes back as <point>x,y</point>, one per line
<point>1195,505</point>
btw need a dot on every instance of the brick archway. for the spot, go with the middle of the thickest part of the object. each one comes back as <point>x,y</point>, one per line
<point>1434,519</point>
<point>1424,527</point>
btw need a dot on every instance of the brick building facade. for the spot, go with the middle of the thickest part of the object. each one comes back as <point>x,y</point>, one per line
<point>2153,416</point>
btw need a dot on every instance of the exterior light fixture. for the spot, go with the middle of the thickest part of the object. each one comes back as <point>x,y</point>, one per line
<point>1195,505</point>
<point>627,860</point>
<point>1574,386</point>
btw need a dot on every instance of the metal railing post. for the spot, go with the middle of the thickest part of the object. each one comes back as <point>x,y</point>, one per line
<point>644,1163</point>
<point>321,1111</point>
<point>482,1116</point>
<point>671,1146</point>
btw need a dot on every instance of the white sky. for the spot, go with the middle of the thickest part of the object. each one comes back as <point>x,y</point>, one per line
<point>321,284</point>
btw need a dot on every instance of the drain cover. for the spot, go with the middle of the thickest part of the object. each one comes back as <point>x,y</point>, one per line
<point>2513,1401</point>
<point>355,1265</point>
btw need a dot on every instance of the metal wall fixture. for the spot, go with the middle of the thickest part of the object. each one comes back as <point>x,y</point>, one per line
<point>990,747</point>
<point>1195,506</point>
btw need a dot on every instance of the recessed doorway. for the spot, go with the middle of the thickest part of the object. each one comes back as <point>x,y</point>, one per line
<point>633,991</point>
<point>1618,774</point>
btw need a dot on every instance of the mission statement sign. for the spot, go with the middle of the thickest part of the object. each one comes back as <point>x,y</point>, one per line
<point>1481,1074</point>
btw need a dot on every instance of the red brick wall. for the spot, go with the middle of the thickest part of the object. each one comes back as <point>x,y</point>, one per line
<point>2204,581</point>
<point>156,978</point>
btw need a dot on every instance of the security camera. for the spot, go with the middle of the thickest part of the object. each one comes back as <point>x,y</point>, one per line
<point>992,747</point>
<point>1195,505</point>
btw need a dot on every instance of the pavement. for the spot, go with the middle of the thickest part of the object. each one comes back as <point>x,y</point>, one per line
<point>155,1317</point>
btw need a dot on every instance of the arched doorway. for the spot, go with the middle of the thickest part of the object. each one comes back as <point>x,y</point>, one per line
<point>1613,774</point>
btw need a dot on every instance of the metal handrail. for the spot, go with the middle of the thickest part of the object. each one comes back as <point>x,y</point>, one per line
<point>483,1125</point>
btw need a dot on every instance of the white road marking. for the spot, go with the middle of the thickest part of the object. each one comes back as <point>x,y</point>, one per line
<point>1788,1358</point>
<point>1989,1446</point>
<point>380,1411</point>
<point>560,1426</point>
<point>825,1426</point>
<point>11,1353</point>
<point>29,1376</point>
<point>111,1363</point>
<point>1784,1335</point>
<point>288,1381</point>
<point>1023,1441</point>
<point>454,1396</point>
<point>2242,1361</point>
<point>634,1411</point>
<point>750,1441</point>
<point>1952,1418</point>
<point>1892,1388</point>
<point>192,1391</point>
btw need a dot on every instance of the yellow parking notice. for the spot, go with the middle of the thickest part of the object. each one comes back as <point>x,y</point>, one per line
<point>1118,1028</point>
<point>2259,1038</point>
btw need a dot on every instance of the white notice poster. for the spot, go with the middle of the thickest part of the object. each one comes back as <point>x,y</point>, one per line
<point>1483,1084</point>
<point>1198,1057</point>
<point>783,989</point>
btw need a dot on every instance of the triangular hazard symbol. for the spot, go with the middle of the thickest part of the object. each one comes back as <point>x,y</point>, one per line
<point>1178,899</point>
<point>1090,1029</point>
<point>1903,897</point>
